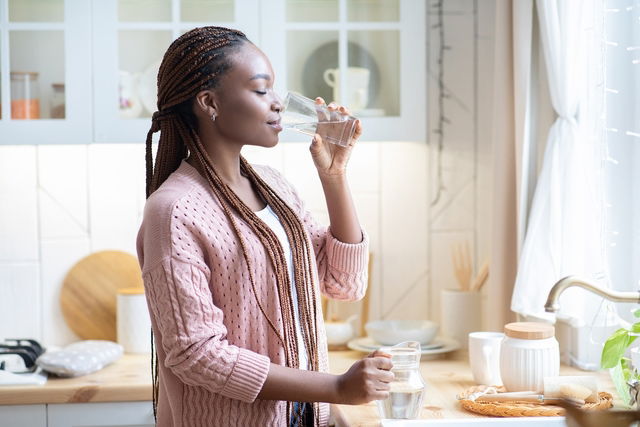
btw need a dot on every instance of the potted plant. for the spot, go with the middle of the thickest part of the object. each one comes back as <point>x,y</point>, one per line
<point>625,376</point>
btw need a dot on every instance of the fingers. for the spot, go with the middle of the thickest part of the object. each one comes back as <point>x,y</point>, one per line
<point>317,140</point>
<point>382,386</point>
<point>378,353</point>
<point>333,106</point>
<point>382,363</point>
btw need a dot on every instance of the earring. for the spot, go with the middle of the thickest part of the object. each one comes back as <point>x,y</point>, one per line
<point>213,117</point>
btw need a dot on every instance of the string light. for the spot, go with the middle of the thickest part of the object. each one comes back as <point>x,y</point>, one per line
<point>438,7</point>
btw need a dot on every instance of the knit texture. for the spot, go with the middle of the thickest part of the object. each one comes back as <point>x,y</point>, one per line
<point>214,344</point>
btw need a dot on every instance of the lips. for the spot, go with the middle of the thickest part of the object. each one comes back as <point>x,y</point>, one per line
<point>275,124</point>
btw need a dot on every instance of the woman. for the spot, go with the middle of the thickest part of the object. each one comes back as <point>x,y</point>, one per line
<point>232,263</point>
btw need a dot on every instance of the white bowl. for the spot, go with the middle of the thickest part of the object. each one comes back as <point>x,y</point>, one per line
<point>392,332</point>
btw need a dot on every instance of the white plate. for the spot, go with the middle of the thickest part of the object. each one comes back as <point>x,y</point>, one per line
<point>439,346</point>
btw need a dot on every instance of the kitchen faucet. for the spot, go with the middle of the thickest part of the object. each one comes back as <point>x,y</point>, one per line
<point>552,305</point>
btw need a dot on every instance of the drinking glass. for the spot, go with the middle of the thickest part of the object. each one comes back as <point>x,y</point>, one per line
<point>408,387</point>
<point>304,115</point>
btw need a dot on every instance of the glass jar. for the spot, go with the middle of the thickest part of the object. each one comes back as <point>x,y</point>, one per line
<point>57,101</point>
<point>25,102</point>
<point>408,388</point>
<point>529,352</point>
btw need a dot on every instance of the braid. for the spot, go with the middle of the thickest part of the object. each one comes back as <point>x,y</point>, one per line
<point>192,63</point>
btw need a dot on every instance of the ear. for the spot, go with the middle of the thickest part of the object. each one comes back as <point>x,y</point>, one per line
<point>205,104</point>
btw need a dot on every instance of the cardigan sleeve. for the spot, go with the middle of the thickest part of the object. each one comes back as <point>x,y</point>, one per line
<point>342,267</point>
<point>193,335</point>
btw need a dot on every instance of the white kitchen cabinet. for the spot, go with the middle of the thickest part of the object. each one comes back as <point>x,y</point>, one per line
<point>23,415</point>
<point>107,414</point>
<point>110,51</point>
<point>49,44</point>
<point>379,45</point>
<point>129,40</point>
<point>103,414</point>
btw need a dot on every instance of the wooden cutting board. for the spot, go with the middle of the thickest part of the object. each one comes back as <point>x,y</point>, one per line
<point>88,296</point>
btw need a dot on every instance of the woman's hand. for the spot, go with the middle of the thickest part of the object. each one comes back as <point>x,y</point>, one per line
<point>331,159</point>
<point>367,379</point>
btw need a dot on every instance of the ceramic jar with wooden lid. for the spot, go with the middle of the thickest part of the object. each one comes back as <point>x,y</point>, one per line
<point>529,352</point>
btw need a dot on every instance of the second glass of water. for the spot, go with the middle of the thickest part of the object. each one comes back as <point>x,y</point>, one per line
<point>303,115</point>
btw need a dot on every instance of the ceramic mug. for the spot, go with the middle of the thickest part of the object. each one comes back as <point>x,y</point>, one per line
<point>484,357</point>
<point>357,86</point>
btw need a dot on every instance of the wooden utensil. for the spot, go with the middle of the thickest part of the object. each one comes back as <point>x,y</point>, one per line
<point>461,259</point>
<point>481,277</point>
<point>88,296</point>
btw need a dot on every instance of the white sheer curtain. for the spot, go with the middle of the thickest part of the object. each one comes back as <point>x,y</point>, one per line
<point>622,121</point>
<point>565,226</point>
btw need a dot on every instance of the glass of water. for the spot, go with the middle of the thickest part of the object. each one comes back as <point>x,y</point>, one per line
<point>408,388</point>
<point>303,115</point>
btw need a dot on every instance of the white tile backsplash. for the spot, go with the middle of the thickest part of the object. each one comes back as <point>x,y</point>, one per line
<point>115,171</point>
<point>56,221</point>
<point>58,257</point>
<point>18,204</point>
<point>20,297</point>
<point>403,216</point>
<point>62,181</point>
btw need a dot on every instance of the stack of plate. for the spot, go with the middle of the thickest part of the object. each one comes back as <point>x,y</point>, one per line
<point>438,346</point>
<point>390,332</point>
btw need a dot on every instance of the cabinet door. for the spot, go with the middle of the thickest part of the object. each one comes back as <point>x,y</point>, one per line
<point>107,414</point>
<point>45,71</point>
<point>129,40</point>
<point>23,415</point>
<point>369,55</point>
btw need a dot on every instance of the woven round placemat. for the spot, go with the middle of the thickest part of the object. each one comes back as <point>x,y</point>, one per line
<point>524,409</point>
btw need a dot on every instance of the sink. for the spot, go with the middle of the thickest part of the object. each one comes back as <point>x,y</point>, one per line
<point>463,422</point>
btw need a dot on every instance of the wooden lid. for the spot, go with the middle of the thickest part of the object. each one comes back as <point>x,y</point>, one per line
<point>529,330</point>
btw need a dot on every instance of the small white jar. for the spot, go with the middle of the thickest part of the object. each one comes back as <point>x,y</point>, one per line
<point>529,352</point>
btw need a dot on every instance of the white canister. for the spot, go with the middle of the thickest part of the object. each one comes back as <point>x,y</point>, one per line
<point>460,314</point>
<point>133,325</point>
<point>529,352</point>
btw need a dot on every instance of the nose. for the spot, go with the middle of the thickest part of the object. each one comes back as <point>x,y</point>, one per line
<point>277,103</point>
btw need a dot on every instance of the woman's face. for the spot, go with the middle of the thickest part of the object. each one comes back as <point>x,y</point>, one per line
<point>248,109</point>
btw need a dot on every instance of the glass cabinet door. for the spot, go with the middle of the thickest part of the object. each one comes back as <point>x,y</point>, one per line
<point>44,71</point>
<point>131,39</point>
<point>368,55</point>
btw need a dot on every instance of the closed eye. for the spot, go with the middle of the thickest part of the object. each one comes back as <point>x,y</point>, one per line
<point>260,92</point>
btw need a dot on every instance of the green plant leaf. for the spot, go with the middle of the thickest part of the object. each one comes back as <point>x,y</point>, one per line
<point>635,328</point>
<point>617,376</point>
<point>636,312</point>
<point>614,348</point>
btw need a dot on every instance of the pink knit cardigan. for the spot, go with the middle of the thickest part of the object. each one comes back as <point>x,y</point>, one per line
<point>214,344</point>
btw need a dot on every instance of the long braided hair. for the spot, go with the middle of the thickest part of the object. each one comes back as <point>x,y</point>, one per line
<point>195,62</point>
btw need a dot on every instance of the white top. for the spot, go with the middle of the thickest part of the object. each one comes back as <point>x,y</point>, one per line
<point>271,219</point>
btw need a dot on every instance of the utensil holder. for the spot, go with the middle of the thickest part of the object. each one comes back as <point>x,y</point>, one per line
<point>461,314</point>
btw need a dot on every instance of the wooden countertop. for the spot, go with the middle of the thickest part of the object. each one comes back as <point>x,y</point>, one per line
<point>445,378</point>
<point>129,379</point>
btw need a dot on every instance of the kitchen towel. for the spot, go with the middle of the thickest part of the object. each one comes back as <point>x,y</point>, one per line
<point>80,358</point>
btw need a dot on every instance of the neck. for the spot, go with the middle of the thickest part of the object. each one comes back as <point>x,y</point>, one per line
<point>225,159</point>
